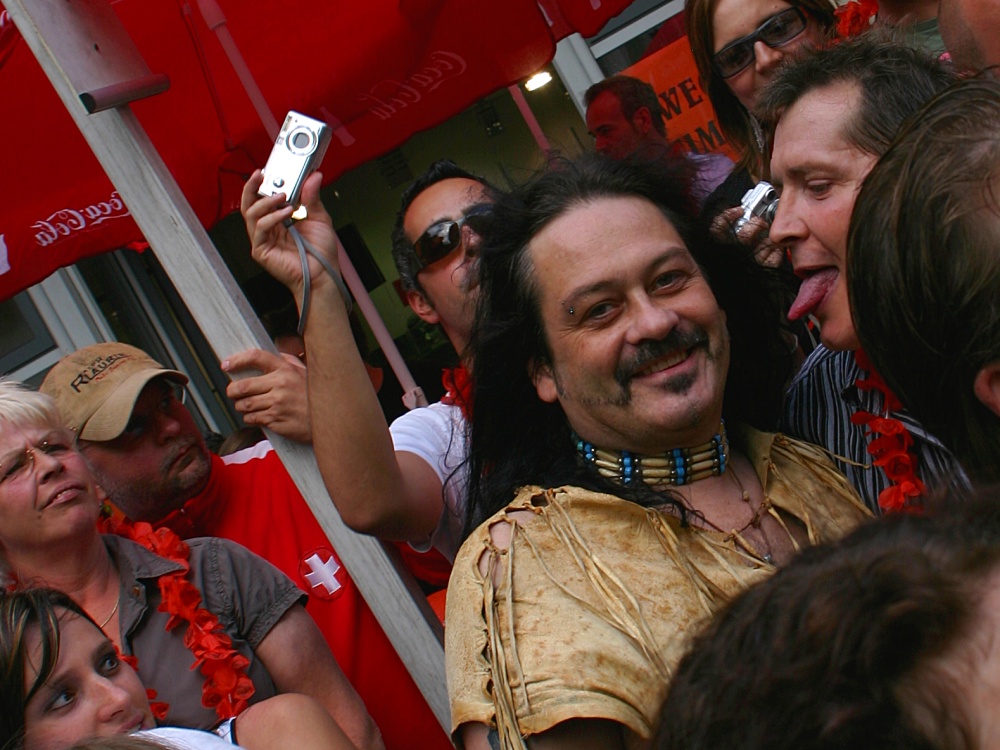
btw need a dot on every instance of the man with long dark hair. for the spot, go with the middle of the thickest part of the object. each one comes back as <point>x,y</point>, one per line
<point>621,360</point>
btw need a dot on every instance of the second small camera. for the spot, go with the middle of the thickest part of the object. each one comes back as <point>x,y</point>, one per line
<point>760,201</point>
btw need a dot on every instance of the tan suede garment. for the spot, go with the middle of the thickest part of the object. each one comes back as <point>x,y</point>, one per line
<point>599,596</point>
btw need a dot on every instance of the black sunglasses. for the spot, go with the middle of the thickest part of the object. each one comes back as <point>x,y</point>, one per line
<point>446,236</point>
<point>777,30</point>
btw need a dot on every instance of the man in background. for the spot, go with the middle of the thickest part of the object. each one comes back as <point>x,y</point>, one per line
<point>626,119</point>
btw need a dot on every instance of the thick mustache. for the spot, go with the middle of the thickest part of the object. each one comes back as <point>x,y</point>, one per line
<point>648,351</point>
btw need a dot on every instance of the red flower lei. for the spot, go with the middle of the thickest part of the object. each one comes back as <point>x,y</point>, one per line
<point>458,389</point>
<point>158,708</point>
<point>227,687</point>
<point>854,17</point>
<point>891,450</point>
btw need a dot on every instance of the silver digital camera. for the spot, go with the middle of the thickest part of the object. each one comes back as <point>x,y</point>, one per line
<point>762,201</point>
<point>298,151</point>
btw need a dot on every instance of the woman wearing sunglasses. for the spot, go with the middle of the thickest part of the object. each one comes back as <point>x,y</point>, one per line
<point>737,44</point>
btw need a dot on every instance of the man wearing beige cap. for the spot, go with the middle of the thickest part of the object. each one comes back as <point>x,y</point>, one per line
<point>113,395</point>
<point>147,454</point>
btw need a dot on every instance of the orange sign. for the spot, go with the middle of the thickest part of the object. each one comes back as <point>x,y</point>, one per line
<point>688,112</point>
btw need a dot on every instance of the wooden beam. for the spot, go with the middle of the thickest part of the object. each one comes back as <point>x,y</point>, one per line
<point>64,35</point>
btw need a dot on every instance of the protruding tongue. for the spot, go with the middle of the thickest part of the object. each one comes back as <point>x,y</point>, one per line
<point>811,293</point>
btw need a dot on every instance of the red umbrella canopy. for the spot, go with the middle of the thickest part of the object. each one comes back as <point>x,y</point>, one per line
<point>376,71</point>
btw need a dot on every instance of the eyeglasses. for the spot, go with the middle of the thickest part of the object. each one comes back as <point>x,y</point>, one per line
<point>777,30</point>
<point>18,466</point>
<point>139,424</point>
<point>441,239</point>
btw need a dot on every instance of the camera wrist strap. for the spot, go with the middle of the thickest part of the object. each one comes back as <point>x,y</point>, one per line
<point>304,246</point>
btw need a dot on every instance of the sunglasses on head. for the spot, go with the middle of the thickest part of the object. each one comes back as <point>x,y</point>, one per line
<point>441,239</point>
<point>777,30</point>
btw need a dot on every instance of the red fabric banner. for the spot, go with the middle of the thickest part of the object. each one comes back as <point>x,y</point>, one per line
<point>376,71</point>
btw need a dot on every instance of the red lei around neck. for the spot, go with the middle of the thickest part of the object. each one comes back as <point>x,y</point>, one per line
<point>227,687</point>
<point>890,444</point>
<point>458,389</point>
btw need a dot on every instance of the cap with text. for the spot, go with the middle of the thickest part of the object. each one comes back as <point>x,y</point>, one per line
<point>95,388</point>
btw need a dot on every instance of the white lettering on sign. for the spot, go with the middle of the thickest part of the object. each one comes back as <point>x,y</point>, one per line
<point>4,263</point>
<point>390,96</point>
<point>323,573</point>
<point>69,220</point>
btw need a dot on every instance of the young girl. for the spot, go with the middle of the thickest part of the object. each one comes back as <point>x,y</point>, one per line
<point>62,681</point>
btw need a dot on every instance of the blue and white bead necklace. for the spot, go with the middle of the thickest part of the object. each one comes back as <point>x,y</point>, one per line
<point>677,467</point>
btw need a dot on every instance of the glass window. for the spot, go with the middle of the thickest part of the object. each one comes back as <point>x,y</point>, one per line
<point>23,335</point>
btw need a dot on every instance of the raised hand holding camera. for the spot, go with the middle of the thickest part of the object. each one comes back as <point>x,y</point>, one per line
<point>297,153</point>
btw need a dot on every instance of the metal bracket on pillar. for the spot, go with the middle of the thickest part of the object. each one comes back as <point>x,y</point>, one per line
<point>98,56</point>
<point>115,95</point>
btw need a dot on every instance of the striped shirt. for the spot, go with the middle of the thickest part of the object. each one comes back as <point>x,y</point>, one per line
<point>818,409</point>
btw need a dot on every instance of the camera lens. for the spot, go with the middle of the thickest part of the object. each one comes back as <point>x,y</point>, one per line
<point>301,141</point>
<point>769,211</point>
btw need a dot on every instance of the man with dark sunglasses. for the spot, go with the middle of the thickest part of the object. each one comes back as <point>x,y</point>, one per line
<point>433,245</point>
<point>404,483</point>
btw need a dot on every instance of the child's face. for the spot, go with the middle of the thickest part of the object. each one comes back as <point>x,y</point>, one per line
<point>90,693</point>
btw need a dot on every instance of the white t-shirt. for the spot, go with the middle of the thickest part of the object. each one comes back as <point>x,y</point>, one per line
<point>178,738</point>
<point>439,435</point>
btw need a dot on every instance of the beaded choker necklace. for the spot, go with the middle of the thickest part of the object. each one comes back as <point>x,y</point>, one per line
<point>676,467</point>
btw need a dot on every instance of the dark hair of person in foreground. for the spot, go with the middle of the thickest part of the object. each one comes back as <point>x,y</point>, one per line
<point>518,439</point>
<point>885,639</point>
<point>924,270</point>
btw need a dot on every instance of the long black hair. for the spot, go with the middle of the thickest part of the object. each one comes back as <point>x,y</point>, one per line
<point>518,439</point>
